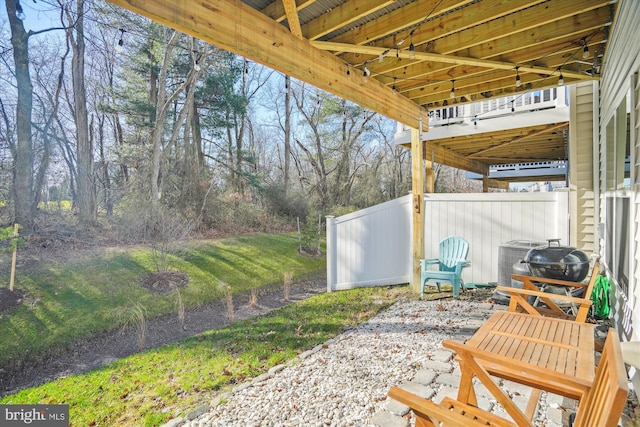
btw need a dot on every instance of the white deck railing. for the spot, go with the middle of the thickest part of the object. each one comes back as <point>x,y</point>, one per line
<point>373,246</point>
<point>497,107</point>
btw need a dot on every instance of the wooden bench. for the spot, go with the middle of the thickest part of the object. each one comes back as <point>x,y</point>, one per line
<point>520,298</point>
<point>601,403</point>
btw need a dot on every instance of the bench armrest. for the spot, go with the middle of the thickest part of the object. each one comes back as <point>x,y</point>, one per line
<point>532,279</point>
<point>567,298</point>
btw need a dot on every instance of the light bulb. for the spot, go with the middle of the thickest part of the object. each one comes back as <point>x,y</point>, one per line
<point>412,51</point>
<point>19,12</point>
<point>518,81</point>
<point>585,52</point>
<point>560,79</point>
<point>196,66</point>
<point>120,45</point>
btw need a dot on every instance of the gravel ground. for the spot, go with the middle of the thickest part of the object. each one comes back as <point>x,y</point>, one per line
<point>345,381</point>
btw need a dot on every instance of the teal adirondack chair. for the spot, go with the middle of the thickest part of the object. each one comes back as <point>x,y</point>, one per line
<point>452,259</point>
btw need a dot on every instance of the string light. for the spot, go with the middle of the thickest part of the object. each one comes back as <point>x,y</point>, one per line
<point>348,72</point>
<point>120,44</point>
<point>393,88</point>
<point>513,109</point>
<point>246,66</point>
<point>585,49</point>
<point>452,94</point>
<point>560,79</point>
<point>382,55</point>
<point>19,11</point>
<point>196,65</point>
<point>518,81</point>
<point>366,73</point>
<point>412,48</point>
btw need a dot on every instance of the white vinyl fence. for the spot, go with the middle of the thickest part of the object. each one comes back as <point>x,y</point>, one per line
<point>373,247</point>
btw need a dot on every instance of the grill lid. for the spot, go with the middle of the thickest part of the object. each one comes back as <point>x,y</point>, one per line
<point>558,262</point>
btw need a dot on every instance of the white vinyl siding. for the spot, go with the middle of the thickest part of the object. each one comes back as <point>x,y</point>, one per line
<point>581,176</point>
<point>619,80</point>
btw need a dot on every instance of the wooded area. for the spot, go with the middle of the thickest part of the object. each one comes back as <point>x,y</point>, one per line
<point>135,123</point>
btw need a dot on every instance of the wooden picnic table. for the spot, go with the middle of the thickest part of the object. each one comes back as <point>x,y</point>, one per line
<point>555,355</point>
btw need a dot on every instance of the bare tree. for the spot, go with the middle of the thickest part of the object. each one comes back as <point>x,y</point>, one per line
<point>354,121</point>
<point>86,203</point>
<point>287,134</point>
<point>312,113</point>
<point>23,192</point>
<point>163,103</point>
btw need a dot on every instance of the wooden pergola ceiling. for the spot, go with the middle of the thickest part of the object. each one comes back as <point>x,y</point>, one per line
<point>414,52</point>
<point>531,144</point>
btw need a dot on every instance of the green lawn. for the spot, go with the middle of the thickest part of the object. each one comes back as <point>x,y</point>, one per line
<point>66,301</point>
<point>150,388</point>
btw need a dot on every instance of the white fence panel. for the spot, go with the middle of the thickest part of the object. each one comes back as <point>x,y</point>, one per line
<point>487,220</point>
<point>373,246</point>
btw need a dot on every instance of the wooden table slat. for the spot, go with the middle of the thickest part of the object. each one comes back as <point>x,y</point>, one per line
<point>556,344</point>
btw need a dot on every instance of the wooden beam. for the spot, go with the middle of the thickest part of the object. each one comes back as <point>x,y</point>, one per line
<point>398,20</point>
<point>468,17</point>
<point>457,31</point>
<point>496,183</point>
<point>408,75</point>
<point>417,192</point>
<point>275,10</point>
<point>480,91</point>
<point>448,59</point>
<point>532,134</point>
<point>341,16</point>
<point>444,156</point>
<point>238,28</point>
<point>291,11</point>
<point>526,25</point>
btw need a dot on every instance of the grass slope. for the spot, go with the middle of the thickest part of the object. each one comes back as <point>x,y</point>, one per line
<point>150,388</point>
<point>70,300</point>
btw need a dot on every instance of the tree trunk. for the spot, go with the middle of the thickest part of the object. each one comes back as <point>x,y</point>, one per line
<point>162,104</point>
<point>87,209</point>
<point>24,208</point>
<point>106,177</point>
<point>287,133</point>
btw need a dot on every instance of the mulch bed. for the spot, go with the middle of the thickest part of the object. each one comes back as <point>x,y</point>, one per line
<point>164,281</point>
<point>9,299</point>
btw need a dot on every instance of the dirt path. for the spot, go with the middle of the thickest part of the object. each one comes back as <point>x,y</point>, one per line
<point>108,347</point>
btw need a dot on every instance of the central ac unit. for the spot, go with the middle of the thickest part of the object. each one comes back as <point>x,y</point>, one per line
<point>510,253</point>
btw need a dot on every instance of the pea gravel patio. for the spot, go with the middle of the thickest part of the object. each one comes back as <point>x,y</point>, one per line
<point>344,382</point>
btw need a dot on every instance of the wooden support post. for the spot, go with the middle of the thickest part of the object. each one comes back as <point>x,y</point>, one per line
<point>485,184</point>
<point>430,176</point>
<point>417,191</point>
